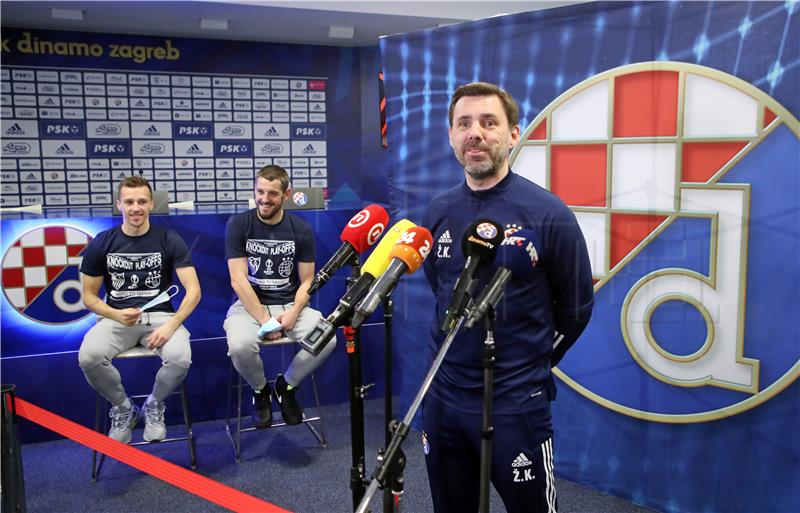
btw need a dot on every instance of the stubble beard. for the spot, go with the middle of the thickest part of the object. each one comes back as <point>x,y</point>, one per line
<point>483,169</point>
<point>269,217</point>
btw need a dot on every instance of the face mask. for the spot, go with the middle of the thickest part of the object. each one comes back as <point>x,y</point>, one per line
<point>161,298</point>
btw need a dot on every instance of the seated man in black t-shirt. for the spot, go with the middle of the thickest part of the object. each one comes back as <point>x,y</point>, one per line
<point>270,257</point>
<point>135,262</point>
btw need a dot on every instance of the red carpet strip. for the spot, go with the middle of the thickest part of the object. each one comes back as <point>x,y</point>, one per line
<point>187,480</point>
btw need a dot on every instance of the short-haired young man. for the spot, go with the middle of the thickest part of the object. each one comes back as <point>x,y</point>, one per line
<point>135,262</point>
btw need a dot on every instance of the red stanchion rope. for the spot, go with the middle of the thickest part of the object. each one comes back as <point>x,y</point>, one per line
<point>191,482</point>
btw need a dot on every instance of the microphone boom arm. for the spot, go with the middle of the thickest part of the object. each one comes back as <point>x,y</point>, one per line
<point>401,430</point>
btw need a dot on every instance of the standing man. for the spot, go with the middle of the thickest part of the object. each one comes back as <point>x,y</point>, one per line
<point>271,263</point>
<point>556,297</point>
<point>135,262</point>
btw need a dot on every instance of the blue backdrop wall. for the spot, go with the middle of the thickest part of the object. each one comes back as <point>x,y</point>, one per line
<point>39,339</point>
<point>690,443</point>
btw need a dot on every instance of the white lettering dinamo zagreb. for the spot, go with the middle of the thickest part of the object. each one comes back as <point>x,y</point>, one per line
<point>269,247</point>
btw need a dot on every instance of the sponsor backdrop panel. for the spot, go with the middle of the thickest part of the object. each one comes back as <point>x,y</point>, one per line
<point>129,104</point>
<point>670,129</point>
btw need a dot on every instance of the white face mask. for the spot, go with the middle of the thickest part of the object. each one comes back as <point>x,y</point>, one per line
<point>161,298</point>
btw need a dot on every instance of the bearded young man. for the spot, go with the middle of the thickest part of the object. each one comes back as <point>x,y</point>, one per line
<point>270,257</point>
<point>556,297</point>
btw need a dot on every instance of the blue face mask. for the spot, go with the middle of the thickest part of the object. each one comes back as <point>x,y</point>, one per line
<point>268,327</point>
<point>161,298</point>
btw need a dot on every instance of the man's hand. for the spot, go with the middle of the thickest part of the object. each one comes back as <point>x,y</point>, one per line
<point>270,335</point>
<point>160,336</point>
<point>287,318</point>
<point>128,316</point>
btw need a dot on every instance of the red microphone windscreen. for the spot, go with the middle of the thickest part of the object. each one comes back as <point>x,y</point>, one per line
<point>365,228</point>
<point>413,247</point>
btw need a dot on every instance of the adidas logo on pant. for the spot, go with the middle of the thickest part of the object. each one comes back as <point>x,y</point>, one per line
<point>521,461</point>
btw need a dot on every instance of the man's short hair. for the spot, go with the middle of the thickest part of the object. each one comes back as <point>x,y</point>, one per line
<point>486,89</point>
<point>273,172</point>
<point>134,182</point>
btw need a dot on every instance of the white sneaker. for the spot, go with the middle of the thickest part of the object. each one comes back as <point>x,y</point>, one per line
<point>122,422</point>
<point>154,427</point>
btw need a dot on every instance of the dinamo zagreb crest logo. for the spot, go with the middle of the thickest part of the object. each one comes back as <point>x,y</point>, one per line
<point>41,277</point>
<point>684,181</point>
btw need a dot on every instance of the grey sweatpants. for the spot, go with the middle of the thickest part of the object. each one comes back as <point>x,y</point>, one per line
<point>243,345</point>
<point>108,338</point>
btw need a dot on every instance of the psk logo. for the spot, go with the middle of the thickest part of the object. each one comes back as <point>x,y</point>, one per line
<point>681,167</point>
<point>299,198</point>
<point>41,277</point>
<point>486,230</point>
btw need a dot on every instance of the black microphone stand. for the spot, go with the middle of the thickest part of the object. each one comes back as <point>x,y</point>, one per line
<point>357,394</point>
<point>397,484</point>
<point>387,461</point>
<point>487,431</point>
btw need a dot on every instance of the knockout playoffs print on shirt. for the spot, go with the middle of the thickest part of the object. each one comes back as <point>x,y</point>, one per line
<point>270,263</point>
<point>136,269</point>
<point>134,275</point>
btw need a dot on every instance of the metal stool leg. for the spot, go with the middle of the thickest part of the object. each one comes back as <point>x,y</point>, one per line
<point>239,420</point>
<point>234,437</point>
<point>188,422</point>
<point>320,436</point>
<point>98,412</point>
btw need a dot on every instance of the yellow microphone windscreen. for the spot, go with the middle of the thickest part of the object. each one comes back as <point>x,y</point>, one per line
<point>379,260</point>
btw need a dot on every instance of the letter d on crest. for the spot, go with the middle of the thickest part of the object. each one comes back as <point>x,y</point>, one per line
<point>719,298</point>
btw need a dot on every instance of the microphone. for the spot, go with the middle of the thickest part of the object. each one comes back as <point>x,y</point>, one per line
<point>375,265</point>
<point>517,257</point>
<point>407,256</point>
<point>478,244</point>
<point>362,231</point>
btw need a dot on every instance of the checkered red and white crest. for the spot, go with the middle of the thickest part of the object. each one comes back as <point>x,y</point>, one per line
<point>620,148</point>
<point>37,260</point>
<point>668,169</point>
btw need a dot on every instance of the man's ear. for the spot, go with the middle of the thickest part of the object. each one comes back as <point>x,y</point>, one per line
<point>515,136</point>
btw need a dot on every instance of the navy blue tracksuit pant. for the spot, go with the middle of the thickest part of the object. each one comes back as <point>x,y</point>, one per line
<point>522,459</point>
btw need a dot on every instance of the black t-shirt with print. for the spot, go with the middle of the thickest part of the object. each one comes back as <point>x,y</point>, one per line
<point>272,253</point>
<point>136,269</point>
